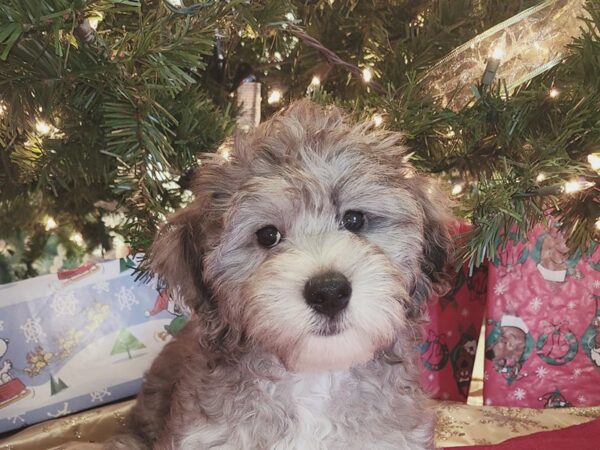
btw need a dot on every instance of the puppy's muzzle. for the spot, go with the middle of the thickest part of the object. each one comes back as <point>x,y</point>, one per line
<point>328,293</point>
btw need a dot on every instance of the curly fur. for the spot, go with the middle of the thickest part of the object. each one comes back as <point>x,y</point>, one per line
<point>251,369</point>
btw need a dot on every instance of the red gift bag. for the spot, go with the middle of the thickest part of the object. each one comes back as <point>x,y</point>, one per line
<point>447,352</point>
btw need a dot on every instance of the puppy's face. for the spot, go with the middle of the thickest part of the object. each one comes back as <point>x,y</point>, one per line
<point>316,241</point>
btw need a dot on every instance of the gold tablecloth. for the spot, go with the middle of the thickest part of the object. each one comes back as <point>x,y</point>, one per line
<point>459,424</point>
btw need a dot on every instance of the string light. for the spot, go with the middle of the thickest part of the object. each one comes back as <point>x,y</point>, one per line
<point>2,109</point>
<point>224,150</point>
<point>50,224</point>
<point>598,224</point>
<point>367,74</point>
<point>493,63</point>
<point>95,20</point>
<point>573,186</point>
<point>377,119</point>
<point>594,160</point>
<point>274,97</point>
<point>42,127</point>
<point>458,187</point>
<point>498,53</point>
<point>450,134</point>
<point>315,82</point>
<point>77,238</point>
<point>541,177</point>
<point>554,93</point>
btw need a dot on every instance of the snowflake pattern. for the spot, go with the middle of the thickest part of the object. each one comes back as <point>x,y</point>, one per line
<point>519,394</point>
<point>61,412</point>
<point>65,304</point>
<point>581,398</point>
<point>126,298</point>
<point>99,395</point>
<point>541,372</point>
<point>571,305</point>
<point>17,418</point>
<point>536,304</point>
<point>101,286</point>
<point>500,287</point>
<point>32,329</point>
<point>596,284</point>
<point>577,372</point>
<point>464,312</point>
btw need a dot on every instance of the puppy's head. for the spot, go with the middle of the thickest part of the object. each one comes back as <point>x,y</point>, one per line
<point>316,240</point>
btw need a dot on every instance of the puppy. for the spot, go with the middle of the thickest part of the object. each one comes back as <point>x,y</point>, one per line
<point>307,258</point>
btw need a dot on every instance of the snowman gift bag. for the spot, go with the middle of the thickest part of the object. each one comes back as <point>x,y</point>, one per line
<point>543,324</point>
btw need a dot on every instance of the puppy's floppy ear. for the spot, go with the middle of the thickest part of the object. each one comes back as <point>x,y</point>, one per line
<point>176,255</point>
<point>437,241</point>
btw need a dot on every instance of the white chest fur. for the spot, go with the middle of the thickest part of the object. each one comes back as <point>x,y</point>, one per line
<point>328,411</point>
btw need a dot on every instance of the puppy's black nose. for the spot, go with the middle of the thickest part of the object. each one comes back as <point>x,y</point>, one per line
<point>328,293</point>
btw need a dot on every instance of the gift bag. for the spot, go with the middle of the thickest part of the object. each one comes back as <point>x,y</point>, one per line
<point>543,325</point>
<point>78,339</point>
<point>453,324</point>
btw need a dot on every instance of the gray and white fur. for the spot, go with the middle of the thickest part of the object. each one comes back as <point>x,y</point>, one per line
<point>259,365</point>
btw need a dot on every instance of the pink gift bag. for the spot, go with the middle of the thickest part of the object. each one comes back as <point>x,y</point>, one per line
<point>543,325</point>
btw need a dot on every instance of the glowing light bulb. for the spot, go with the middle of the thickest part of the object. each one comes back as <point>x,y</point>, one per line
<point>457,188</point>
<point>274,97</point>
<point>50,224</point>
<point>498,53</point>
<point>367,74</point>
<point>377,119</point>
<point>573,186</point>
<point>554,93</point>
<point>315,82</point>
<point>451,133</point>
<point>598,224</point>
<point>541,177</point>
<point>95,20</point>
<point>2,109</point>
<point>290,16</point>
<point>226,154</point>
<point>42,127</point>
<point>594,160</point>
<point>77,238</point>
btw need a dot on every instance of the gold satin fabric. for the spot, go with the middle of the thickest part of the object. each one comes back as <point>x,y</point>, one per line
<point>459,424</point>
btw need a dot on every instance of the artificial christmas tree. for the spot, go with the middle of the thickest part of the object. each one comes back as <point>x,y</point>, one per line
<point>107,105</point>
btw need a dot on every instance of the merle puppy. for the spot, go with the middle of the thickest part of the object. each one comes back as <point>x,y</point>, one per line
<point>307,257</point>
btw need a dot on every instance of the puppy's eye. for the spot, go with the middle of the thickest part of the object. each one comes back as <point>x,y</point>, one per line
<point>268,236</point>
<point>353,221</point>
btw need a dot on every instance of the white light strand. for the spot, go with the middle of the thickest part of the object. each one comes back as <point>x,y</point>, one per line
<point>570,187</point>
<point>50,224</point>
<point>274,97</point>
<point>594,160</point>
<point>377,119</point>
<point>42,127</point>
